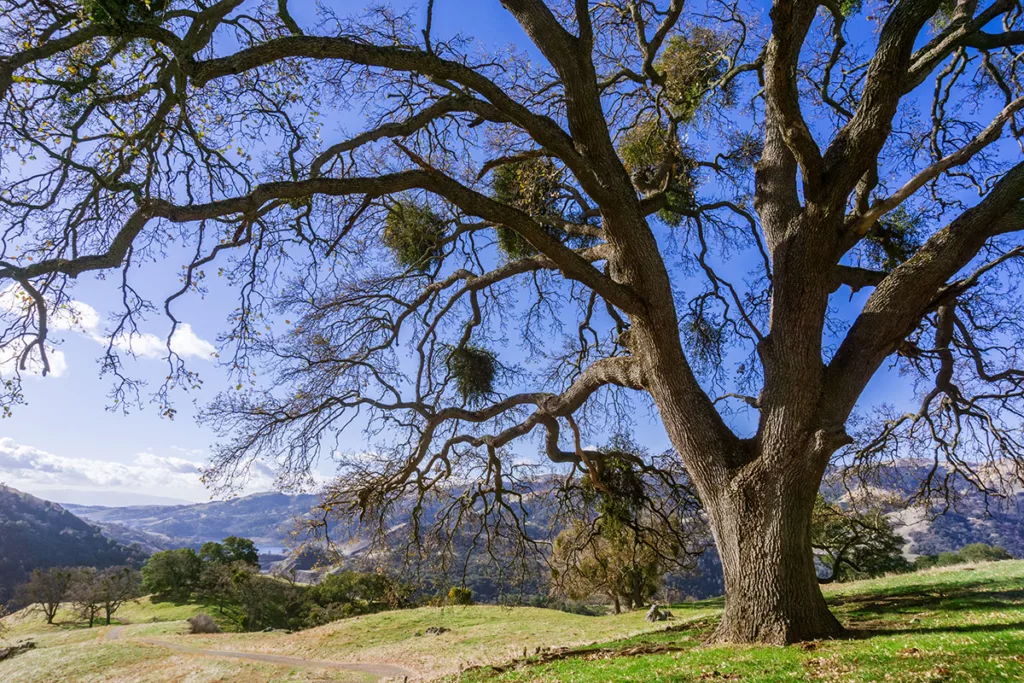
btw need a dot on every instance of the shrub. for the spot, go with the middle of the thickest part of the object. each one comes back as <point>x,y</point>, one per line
<point>460,596</point>
<point>474,369</point>
<point>414,233</point>
<point>983,552</point>
<point>203,623</point>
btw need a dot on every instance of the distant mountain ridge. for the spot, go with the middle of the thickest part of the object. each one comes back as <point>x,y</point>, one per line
<point>37,533</point>
<point>266,518</point>
<point>269,519</point>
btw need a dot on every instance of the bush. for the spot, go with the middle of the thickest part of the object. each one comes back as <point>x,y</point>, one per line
<point>973,552</point>
<point>203,623</point>
<point>983,552</point>
<point>460,596</point>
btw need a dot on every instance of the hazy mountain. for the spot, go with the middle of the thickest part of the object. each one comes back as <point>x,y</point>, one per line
<point>38,533</point>
<point>269,519</point>
<point>105,498</point>
<point>266,518</point>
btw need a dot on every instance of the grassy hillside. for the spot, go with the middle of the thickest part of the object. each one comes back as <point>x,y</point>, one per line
<point>958,624</point>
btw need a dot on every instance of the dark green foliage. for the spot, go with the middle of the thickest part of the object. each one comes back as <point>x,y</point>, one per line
<point>35,533</point>
<point>973,552</point>
<point>232,549</point>
<point>691,64</point>
<point>474,370</point>
<point>893,239</point>
<point>414,233</point>
<point>983,552</point>
<point>348,593</point>
<point>460,596</point>
<point>855,545</point>
<point>119,12</point>
<point>173,573</point>
<point>650,154</point>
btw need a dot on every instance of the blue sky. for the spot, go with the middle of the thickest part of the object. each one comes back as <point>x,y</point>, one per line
<point>66,445</point>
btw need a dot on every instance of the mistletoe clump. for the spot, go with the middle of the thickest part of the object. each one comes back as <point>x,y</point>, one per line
<point>414,233</point>
<point>474,369</point>
<point>533,187</point>
<point>651,156</point>
<point>690,64</point>
<point>893,239</point>
<point>120,12</point>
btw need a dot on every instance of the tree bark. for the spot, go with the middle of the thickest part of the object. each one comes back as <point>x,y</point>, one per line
<point>761,524</point>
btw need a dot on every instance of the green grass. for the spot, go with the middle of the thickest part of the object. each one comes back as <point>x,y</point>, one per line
<point>954,624</point>
<point>477,635</point>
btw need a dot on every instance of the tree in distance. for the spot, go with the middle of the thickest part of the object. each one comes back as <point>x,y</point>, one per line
<point>853,544</point>
<point>172,573</point>
<point>47,589</point>
<point>728,218</point>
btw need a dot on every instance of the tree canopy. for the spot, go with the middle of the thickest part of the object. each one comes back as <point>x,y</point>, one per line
<point>730,217</point>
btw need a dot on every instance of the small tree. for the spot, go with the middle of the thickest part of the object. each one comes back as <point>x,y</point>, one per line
<point>47,588</point>
<point>216,583</point>
<point>586,563</point>
<point>628,524</point>
<point>115,586</point>
<point>231,549</point>
<point>854,544</point>
<point>173,573</point>
<point>86,595</point>
<point>254,595</point>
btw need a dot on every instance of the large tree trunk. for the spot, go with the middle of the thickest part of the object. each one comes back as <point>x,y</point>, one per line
<point>761,524</point>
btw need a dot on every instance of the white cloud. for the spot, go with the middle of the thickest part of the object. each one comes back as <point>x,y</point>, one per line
<point>80,317</point>
<point>29,468</point>
<point>10,358</point>
<point>22,465</point>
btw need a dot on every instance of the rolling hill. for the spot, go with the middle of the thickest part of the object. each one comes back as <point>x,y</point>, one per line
<point>38,533</point>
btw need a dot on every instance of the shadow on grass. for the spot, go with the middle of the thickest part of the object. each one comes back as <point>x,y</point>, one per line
<point>862,633</point>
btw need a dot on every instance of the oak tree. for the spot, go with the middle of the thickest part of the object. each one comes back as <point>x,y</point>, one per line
<point>733,218</point>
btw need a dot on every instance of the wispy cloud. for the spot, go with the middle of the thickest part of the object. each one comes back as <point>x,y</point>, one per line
<point>27,467</point>
<point>80,317</point>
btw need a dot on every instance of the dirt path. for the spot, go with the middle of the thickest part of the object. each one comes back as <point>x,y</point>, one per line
<point>113,633</point>
<point>382,670</point>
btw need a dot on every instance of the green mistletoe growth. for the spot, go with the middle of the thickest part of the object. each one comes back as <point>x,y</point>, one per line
<point>414,233</point>
<point>121,12</point>
<point>690,64</point>
<point>532,187</point>
<point>651,155</point>
<point>474,369</point>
